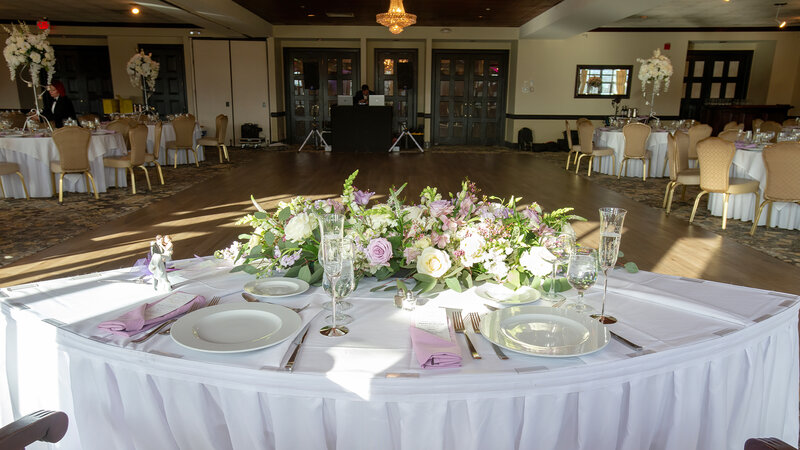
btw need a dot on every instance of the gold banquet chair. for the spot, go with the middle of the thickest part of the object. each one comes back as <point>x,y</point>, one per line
<point>679,172</point>
<point>573,148</point>
<point>733,125</point>
<point>153,157</point>
<point>184,131</point>
<point>773,127</point>
<point>636,135</point>
<point>585,136</point>
<point>135,158</point>
<point>715,157</point>
<point>756,124</point>
<point>782,162</point>
<point>791,122</point>
<point>729,135</point>
<point>121,126</point>
<point>73,150</point>
<point>696,134</point>
<point>10,168</point>
<point>219,138</point>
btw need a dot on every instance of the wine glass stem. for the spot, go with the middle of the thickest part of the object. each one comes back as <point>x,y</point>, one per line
<point>605,289</point>
<point>553,278</point>
<point>333,301</point>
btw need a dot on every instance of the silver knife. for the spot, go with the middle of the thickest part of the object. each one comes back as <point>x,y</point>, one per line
<point>630,344</point>
<point>287,362</point>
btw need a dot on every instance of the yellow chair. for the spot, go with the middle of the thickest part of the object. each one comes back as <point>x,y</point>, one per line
<point>573,149</point>
<point>729,135</point>
<point>636,135</point>
<point>122,127</point>
<point>184,131</point>
<point>756,124</point>
<point>10,168</point>
<point>715,157</point>
<point>135,158</point>
<point>773,127</point>
<point>696,134</point>
<point>679,172</point>
<point>782,162</point>
<point>219,138</point>
<point>153,157</point>
<point>585,136</point>
<point>73,150</point>
<point>733,125</point>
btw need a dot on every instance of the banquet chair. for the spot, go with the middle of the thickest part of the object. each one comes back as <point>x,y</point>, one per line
<point>73,150</point>
<point>121,126</point>
<point>45,426</point>
<point>782,163</point>
<point>219,138</point>
<point>793,122</point>
<point>573,149</point>
<point>679,172</point>
<point>696,134</point>
<point>715,157</point>
<point>729,135</point>
<point>733,125</point>
<point>184,131</point>
<point>585,135</point>
<point>773,127</point>
<point>636,135</point>
<point>10,168</point>
<point>756,124</point>
<point>767,444</point>
<point>153,157</point>
<point>135,158</point>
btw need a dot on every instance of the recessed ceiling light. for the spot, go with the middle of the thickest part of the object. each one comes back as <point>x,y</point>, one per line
<point>135,10</point>
<point>488,9</point>
<point>480,17</point>
<point>338,15</point>
<point>311,15</point>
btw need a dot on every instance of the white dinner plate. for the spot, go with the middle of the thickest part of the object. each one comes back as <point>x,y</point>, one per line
<point>276,287</point>
<point>501,296</point>
<point>235,327</point>
<point>544,331</point>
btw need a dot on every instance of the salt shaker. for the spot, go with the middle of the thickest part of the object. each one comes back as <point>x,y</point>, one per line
<point>409,301</point>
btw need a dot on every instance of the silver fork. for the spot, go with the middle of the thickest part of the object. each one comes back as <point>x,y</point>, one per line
<point>476,325</point>
<point>458,326</point>
<point>214,301</point>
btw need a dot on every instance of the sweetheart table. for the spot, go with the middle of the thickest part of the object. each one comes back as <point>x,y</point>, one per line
<point>719,365</point>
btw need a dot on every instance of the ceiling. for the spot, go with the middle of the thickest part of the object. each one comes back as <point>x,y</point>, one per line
<point>83,11</point>
<point>713,13</point>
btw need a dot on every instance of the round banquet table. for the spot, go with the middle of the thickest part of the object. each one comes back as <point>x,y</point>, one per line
<point>33,154</point>
<point>720,365</point>
<point>168,134</point>
<point>613,138</point>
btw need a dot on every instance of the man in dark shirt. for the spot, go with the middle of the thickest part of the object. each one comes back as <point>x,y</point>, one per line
<point>362,97</point>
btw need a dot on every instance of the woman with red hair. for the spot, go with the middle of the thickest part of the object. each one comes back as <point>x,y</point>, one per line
<point>57,106</point>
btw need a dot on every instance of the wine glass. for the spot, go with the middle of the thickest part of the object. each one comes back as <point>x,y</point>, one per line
<point>582,274</point>
<point>344,285</point>
<point>559,245</point>
<point>610,235</point>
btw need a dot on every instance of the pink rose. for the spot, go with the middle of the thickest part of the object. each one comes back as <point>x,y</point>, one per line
<point>379,252</point>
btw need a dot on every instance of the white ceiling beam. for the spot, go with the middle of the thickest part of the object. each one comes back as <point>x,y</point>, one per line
<point>220,17</point>
<point>573,17</point>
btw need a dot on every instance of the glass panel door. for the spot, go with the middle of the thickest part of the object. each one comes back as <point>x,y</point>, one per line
<point>396,79</point>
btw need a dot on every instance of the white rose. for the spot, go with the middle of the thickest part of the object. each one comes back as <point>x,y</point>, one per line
<point>433,262</point>
<point>471,246</point>
<point>535,261</point>
<point>299,227</point>
<point>35,57</point>
<point>413,213</point>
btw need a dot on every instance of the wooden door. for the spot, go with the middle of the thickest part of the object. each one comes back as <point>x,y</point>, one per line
<point>714,77</point>
<point>396,80</point>
<point>86,74</point>
<point>169,96</point>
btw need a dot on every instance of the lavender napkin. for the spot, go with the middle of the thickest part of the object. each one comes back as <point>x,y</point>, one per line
<point>434,352</point>
<point>137,320</point>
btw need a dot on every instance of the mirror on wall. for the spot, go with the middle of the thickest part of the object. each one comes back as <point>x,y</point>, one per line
<point>603,81</point>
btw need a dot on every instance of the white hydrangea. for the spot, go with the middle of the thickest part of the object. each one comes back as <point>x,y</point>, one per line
<point>656,70</point>
<point>25,48</point>
<point>142,67</point>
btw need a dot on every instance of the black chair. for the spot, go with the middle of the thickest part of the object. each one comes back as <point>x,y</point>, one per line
<point>525,139</point>
<point>47,426</point>
<point>767,444</point>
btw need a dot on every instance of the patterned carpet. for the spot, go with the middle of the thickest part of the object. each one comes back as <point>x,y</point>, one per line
<point>33,225</point>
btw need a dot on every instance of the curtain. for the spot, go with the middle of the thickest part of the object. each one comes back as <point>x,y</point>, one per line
<point>622,75</point>
<point>584,75</point>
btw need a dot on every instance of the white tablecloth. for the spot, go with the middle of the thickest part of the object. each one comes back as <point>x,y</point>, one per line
<point>749,164</point>
<point>33,154</point>
<point>720,366</point>
<point>656,143</point>
<point>168,134</point>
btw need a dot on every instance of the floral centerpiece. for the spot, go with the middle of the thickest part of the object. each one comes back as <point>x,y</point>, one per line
<point>656,70</point>
<point>143,71</point>
<point>595,82</point>
<point>24,48</point>
<point>442,242</point>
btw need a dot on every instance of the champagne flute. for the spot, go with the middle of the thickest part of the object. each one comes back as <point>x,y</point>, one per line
<point>331,233</point>
<point>610,235</point>
<point>582,274</point>
<point>344,286</point>
<point>559,245</point>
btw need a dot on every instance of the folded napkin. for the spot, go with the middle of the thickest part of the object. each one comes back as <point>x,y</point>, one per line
<point>434,352</point>
<point>141,318</point>
<point>740,144</point>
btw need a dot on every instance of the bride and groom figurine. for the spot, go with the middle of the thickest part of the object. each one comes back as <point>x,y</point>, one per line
<point>160,255</point>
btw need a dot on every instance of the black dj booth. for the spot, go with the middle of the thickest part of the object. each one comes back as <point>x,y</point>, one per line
<point>361,128</point>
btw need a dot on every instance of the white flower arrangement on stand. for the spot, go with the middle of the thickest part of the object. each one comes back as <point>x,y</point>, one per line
<point>656,70</point>
<point>24,48</point>
<point>143,71</point>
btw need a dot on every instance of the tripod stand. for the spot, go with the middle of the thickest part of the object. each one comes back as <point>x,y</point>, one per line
<point>314,130</point>
<point>406,134</point>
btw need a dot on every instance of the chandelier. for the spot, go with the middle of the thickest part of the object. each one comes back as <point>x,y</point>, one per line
<point>396,18</point>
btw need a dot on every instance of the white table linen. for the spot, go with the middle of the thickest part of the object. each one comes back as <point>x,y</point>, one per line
<point>613,138</point>
<point>33,154</point>
<point>720,366</point>
<point>749,164</point>
<point>168,134</point>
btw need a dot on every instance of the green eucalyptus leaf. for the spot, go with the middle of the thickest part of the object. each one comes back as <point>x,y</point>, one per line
<point>293,272</point>
<point>631,267</point>
<point>244,236</point>
<point>238,268</point>
<point>620,254</point>
<point>283,215</point>
<point>256,251</point>
<point>423,277</point>
<point>304,274</point>
<point>484,277</point>
<point>401,285</point>
<point>250,269</point>
<point>453,284</point>
<point>513,279</point>
<point>260,215</point>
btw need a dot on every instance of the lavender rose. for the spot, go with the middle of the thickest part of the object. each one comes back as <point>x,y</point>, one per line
<point>440,207</point>
<point>379,252</point>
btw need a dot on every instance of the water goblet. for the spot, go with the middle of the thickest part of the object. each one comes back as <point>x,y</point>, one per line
<point>610,235</point>
<point>559,245</point>
<point>582,274</point>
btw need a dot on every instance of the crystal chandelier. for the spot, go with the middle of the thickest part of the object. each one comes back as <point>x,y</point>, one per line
<point>396,18</point>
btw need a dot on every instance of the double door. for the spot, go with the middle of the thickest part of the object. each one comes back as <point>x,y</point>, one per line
<point>469,98</point>
<point>714,77</point>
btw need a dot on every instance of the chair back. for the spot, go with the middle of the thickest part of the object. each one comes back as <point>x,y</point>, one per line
<point>791,122</point>
<point>636,135</point>
<point>757,124</point>
<point>121,126</point>
<point>682,140</point>
<point>715,157</point>
<point>184,131</point>
<point>157,139</point>
<point>772,126</point>
<point>585,135</point>
<point>733,125</point>
<point>729,135</point>
<point>569,135</point>
<point>132,122</point>
<point>672,156</point>
<point>44,426</point>
<point>138,137</point>
<point>782,162</point>
<point>222,128</point>
<point>73,148</point>
<point>696,134</point>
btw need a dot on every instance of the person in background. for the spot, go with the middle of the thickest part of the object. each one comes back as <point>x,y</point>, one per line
<point>57,106</point>
<point>362,97</point>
